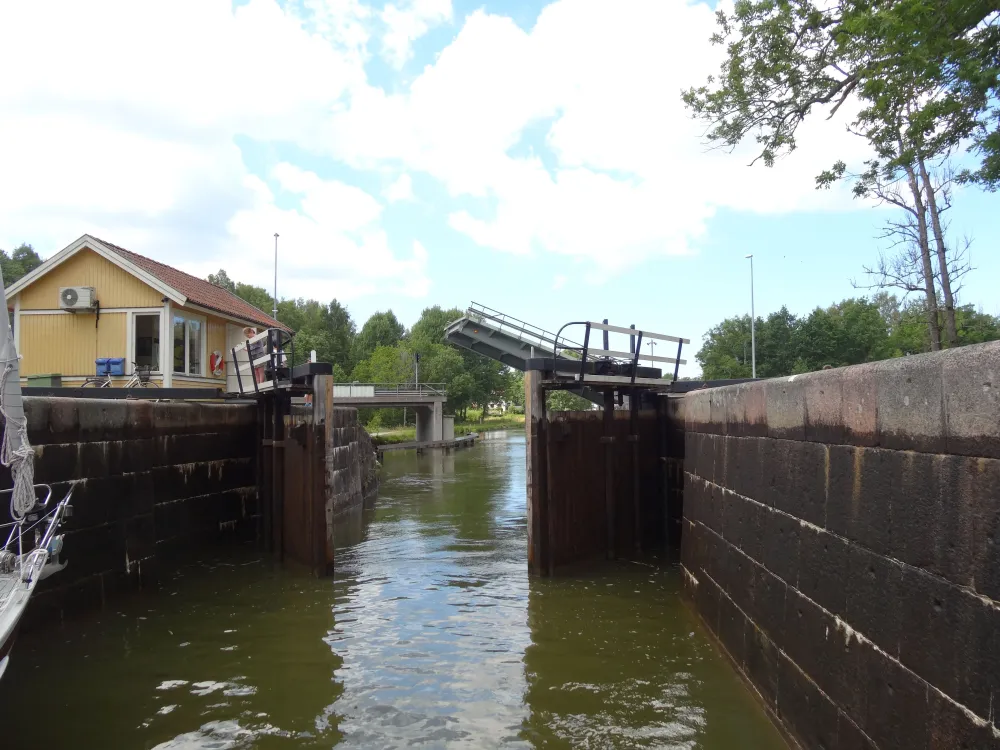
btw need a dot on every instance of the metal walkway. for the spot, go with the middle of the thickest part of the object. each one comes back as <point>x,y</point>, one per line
<point>506,339</point>
<point>501,337</point>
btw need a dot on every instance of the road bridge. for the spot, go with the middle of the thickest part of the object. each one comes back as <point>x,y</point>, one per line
<point>426,399</point>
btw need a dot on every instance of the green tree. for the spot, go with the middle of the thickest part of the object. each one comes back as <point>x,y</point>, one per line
<point>975,326</point>
<point>906,323</point>
<point>926,73</point>
<point>725,352</point>
<point>326,328</point>
<point>848,333</point>
<point>381,329</point>
<point>429,329</point>
<point>257,296</point>
<point>514,388</point>
<point>776,353</point>
<point>440,364</point>
<point>566,401</point>
<point>387,364</point>
<point>460,391</point>
<point>489,377</point>
<point>342,332</point>
<point>22,261</point>
<point>222,280</point>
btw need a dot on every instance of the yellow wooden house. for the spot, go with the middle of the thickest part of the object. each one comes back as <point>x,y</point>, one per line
<point>124,305</point>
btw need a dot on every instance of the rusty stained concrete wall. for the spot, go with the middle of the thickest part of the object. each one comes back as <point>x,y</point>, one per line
<point>150,478</point>
<point>842,540</point>
<point>351,476</point>
<point>571,468</point>
<point>326,490</point>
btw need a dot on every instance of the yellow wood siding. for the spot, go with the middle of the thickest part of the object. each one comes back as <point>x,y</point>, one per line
<point>114,286</point>
<point>68,343</point>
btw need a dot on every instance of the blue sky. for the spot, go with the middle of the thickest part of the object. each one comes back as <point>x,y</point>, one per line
<point>533,157</point>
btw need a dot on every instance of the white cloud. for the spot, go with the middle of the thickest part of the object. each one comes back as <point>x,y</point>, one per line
<point>631,178</point>
<point>344,23</point>
<point>407,23</point>
<point>332,247</point>
<point>400,190</point>
<point>559,282</point>
<point>341,207</point>
<point>130,136</point>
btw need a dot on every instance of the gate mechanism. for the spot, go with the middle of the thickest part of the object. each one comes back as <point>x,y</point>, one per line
<point>604,367</point>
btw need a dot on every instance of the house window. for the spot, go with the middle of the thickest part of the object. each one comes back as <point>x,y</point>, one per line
<point>146,340</point>
<point>189,344</point>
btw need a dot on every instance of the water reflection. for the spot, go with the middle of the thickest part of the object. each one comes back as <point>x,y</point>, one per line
<point>430,634</point>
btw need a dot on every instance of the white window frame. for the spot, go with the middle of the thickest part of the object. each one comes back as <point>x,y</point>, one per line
<point>130,342</point>
<point>187,316</point>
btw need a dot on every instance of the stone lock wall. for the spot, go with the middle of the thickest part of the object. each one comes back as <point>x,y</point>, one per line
<point>149,478</point>
<point>330,478</point>
<point>841,537</point>
<point>352,477</point>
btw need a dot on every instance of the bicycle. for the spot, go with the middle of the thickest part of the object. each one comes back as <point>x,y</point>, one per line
<point>139,379</point>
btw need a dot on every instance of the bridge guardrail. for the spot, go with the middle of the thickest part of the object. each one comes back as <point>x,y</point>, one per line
<point>372,390</point>
<point>519,329</point>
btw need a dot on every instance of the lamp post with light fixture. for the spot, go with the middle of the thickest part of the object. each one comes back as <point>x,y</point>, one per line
<point>275,311</point>
<point>753,323</point>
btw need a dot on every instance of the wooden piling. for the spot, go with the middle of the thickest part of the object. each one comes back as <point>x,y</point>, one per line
<point>322,403</point>
<point>633,402</point>
<point>609,469</point>
<point>280,403</point>
<point>265,485</point>
<point>535,435</point>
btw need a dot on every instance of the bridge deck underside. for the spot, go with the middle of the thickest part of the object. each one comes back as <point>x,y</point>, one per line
<point>479,337</point>
<point>490,343</point>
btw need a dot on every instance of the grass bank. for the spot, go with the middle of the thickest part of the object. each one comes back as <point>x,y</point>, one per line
<point>393,435</point>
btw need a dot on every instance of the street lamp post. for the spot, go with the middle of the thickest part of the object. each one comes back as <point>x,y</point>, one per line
<point>652,362</point>
<point>753,323</point>
<point>275,311</point>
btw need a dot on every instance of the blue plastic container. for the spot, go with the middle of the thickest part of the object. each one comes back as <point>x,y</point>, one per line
<point>110,365</point>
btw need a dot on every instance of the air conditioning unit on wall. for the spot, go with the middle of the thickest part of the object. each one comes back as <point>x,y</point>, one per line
<point>77,298</point>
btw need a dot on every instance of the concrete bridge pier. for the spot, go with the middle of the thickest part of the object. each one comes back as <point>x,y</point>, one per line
<point>430,422</point>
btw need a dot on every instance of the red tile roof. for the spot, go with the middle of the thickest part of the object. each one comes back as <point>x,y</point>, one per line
<point>198,291</point>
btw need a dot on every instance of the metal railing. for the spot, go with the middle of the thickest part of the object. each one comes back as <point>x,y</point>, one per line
<point>525,332</point>
<point>618,365</point>
<point>372,390</point>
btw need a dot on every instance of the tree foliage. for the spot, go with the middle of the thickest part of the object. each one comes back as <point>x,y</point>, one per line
<point>381,329</point>
<point>22,261</point>
<point>847,333</point>
<point>923,72</point>
<point>923,77</point>
<point>566,401</point>
<point>383,351</point>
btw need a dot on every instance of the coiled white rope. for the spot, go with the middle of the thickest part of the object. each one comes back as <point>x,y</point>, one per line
<point>21,460</point>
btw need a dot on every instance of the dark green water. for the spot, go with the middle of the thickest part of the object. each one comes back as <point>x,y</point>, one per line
<point>430,635</point>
